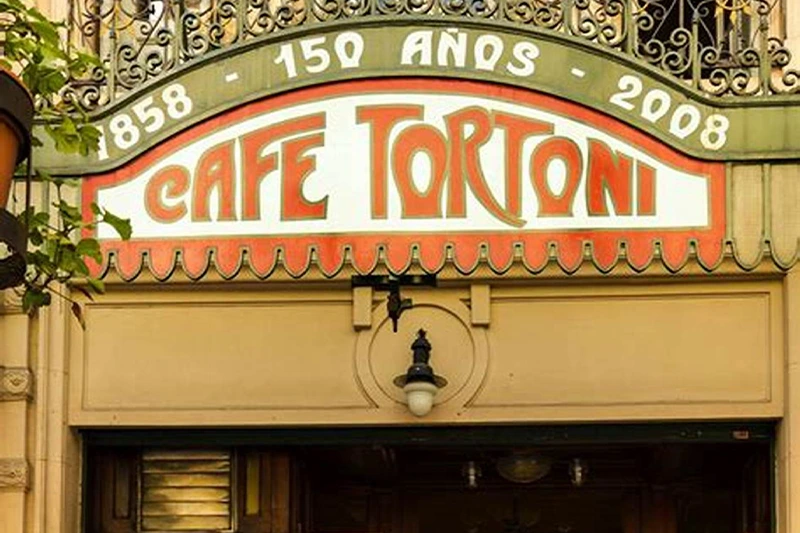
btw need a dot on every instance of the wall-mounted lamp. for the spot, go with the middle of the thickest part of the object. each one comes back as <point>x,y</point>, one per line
<point>523,467</point>
<point>420,383</point>
<point>472,472</point>
<point>578,470</point>
<point>395,303</point>
<point>16,119</point>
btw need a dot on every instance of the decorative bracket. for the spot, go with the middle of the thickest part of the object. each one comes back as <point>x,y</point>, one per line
<point>16,383</point>
<point>14,474</point>
<point>395,303</point>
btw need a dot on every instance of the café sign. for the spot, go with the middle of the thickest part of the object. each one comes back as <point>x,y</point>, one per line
<point>406,168</point>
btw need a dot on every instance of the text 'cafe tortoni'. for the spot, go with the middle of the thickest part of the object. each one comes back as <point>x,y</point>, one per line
<point>422,266</point>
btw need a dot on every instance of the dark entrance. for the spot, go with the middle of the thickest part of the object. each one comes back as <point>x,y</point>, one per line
<point>575,479</point>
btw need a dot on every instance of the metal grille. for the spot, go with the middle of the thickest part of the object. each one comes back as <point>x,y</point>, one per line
<point>186,490</point>
<point>722,47</point>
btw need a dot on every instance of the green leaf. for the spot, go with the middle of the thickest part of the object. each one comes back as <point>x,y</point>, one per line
<point>34,46</point>
<point>69,213</point>
<point>89,248</point>
<point>34,298</point>
<point>35,237</point>
<point>97,285</point>
<point>34,219</point>
<point>40,219</point>
<point>50,247</point>
<point>81,289</point>
<point>88,59</point>
<point>71,263</point>
<point>39,259</point>
<point>45,30</point>
<point>121,225</point>
<point>70,183</point>
<point>90,137</point>
<point>43,176</point>
<point>68,126</point>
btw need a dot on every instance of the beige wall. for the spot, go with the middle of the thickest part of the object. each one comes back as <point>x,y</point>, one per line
<point>39,454</point>
<point>603,351</point>
<point>55,9</point>
<point>793,30</point>
<point>587,349</point>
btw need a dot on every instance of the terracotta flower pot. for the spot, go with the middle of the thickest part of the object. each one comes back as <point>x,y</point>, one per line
<point>16,119</point>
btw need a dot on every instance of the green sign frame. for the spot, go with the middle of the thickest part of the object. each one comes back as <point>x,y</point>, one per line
<point>758,128</point>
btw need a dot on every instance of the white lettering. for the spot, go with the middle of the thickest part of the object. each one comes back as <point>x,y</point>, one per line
<point>485,42</point>
<point>417,43</point>
<point>524,54</point>
<point>455,46</point>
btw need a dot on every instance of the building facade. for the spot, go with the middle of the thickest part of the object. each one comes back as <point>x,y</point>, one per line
<point>583,215</point>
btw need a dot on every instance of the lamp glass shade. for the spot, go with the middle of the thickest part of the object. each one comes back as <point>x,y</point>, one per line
<point>523,468</point>
<point>419,395</point>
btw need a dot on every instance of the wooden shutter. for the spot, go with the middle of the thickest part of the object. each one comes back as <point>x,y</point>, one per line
<point>186,490</point>
<point>265,482</point>
<point>112,491</point>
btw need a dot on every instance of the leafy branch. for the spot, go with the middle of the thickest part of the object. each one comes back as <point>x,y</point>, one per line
<point>32,47</point>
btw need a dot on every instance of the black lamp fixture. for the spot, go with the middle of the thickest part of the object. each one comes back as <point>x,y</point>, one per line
<point>578,471</point>
<point>420,383</point>
<point>523,466</point>
<point>16,121</point>
<point>395,303</point>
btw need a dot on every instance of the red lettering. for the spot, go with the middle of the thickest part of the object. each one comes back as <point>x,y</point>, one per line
<point>296,168</point>
<point>416,203</point>
<point>464,160</point>
<point>550,204</point>
<point>256,166</point>
<point>608,171</point>
<point>215,171</point>
<point>645,189</point>
<point>382,119</point>
<point>517,129</point>
<point>172,182</point>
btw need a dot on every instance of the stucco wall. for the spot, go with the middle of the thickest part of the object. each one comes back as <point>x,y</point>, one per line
<point>609,351</point>
<point>793,29</point>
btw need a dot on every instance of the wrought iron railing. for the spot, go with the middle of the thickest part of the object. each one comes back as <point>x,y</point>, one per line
<point>725,48</point>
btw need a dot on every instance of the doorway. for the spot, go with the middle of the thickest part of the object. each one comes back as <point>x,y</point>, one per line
<point>574,479</point>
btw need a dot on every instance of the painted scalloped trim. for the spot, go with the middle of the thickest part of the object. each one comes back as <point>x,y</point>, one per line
<point>129,261</point>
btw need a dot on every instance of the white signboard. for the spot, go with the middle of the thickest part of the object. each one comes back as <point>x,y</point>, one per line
<point>424,158</point>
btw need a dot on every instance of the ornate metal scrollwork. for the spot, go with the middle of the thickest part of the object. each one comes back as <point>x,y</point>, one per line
<point>722,47</point>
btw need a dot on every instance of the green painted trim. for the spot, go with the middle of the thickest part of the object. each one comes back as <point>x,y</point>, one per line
<point>729,211</point>
<point>384,21</point>
<point>760,127</point>
<point>766,195</point>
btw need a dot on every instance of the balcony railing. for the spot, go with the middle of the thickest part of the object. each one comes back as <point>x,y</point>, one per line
<point>725,48</point>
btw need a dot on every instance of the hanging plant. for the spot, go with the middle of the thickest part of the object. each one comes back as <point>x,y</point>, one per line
<point>33,47</point>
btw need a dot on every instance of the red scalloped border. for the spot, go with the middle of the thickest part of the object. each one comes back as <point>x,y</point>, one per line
<point>330,253</point>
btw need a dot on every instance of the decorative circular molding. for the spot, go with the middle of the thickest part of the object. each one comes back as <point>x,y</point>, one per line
<point>459,354</point>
